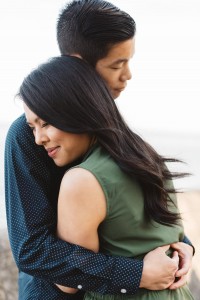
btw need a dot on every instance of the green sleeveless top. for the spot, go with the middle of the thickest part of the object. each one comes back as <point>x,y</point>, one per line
<point>125,230</point>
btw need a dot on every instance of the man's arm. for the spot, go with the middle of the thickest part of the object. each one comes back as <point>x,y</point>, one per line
<point>31,218</point>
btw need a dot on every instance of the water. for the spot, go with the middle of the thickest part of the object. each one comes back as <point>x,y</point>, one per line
<point>185,146</point>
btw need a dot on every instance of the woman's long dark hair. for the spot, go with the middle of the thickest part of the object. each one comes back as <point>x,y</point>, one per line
<point>69,94</point>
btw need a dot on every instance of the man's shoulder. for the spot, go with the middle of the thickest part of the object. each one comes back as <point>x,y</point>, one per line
<point>19,129</point>
<point>19,137</point>
<point>20,146</point>
<point>18,123</point>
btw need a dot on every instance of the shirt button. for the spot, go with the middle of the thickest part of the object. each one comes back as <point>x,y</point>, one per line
<point>79,286</point>
<point>123,291</point>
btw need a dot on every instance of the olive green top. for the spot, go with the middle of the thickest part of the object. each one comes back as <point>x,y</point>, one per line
<point>125,230</point>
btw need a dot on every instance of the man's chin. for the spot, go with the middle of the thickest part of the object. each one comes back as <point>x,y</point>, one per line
<point>116,94</point>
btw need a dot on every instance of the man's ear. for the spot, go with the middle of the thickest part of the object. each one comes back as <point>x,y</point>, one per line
<point>76,55</point>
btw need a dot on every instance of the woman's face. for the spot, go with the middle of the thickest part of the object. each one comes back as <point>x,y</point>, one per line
<point>61,146</point>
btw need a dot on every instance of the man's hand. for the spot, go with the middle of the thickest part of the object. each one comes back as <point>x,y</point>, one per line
<point>185,253</point>
<point>159,269</point>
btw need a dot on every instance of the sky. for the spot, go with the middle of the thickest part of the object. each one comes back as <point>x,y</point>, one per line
<point>165,86</point>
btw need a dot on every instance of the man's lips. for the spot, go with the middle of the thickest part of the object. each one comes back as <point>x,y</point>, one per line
<point>120,89</point>
<point>52,151</point>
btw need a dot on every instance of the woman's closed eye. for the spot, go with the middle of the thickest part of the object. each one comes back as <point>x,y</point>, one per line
<point>44,124</point>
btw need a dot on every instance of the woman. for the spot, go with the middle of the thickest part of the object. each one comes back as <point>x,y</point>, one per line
<point>117,196</point>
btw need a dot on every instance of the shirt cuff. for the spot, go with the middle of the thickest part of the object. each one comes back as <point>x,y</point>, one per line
<point>126,277</point>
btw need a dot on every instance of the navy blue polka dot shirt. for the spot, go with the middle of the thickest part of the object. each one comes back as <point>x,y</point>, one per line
<point>31,188</point>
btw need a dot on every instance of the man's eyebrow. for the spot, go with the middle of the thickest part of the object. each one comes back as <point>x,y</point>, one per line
<point>118,61</point>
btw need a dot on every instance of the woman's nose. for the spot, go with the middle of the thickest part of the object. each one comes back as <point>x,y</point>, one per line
<point>40,137</point>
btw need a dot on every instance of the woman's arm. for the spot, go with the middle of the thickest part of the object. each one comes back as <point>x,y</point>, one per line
<point>81,208</point>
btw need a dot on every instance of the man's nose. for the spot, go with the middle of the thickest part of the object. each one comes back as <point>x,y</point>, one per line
<point>127,75</point>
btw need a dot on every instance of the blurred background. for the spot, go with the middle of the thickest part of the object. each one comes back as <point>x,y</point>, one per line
<point>160,102</point>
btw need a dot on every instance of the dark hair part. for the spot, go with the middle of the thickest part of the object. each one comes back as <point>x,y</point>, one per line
<point>91,27</point>
<point>69,94</point>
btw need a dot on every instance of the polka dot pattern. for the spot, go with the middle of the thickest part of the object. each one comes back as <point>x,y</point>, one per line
<point>32,182</point>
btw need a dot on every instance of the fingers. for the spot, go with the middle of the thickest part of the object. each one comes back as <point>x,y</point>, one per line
<point>184,269</point>
<point>183,249</point>
<point>164,248</point>
<point>179,283</point>
<point>175,257</point>
<point>159,269</point>
<point>185,255</point>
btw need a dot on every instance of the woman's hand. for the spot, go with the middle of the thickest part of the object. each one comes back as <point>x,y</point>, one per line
<point>185,253</point>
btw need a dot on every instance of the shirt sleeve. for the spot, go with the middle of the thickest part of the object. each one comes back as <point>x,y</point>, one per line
<point>187,241</point>
<point>31,189</point>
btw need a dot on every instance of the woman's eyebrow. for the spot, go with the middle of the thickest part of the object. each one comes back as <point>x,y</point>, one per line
<point>34,121</point>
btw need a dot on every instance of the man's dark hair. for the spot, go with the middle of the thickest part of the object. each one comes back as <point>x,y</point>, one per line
<point>90,28</point>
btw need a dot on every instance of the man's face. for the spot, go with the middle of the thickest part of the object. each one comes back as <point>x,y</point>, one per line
<point>114,68</point>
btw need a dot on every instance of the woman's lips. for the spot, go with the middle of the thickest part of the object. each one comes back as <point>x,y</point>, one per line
<point>52,151</point>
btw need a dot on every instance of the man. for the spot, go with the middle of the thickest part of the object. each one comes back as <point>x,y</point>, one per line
<point>103,35</point>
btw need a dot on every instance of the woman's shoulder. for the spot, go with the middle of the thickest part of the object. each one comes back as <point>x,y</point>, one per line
<point>80,180</point>
<point>78,175</point>
<point>100,162</point>
<point>82,187</point>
